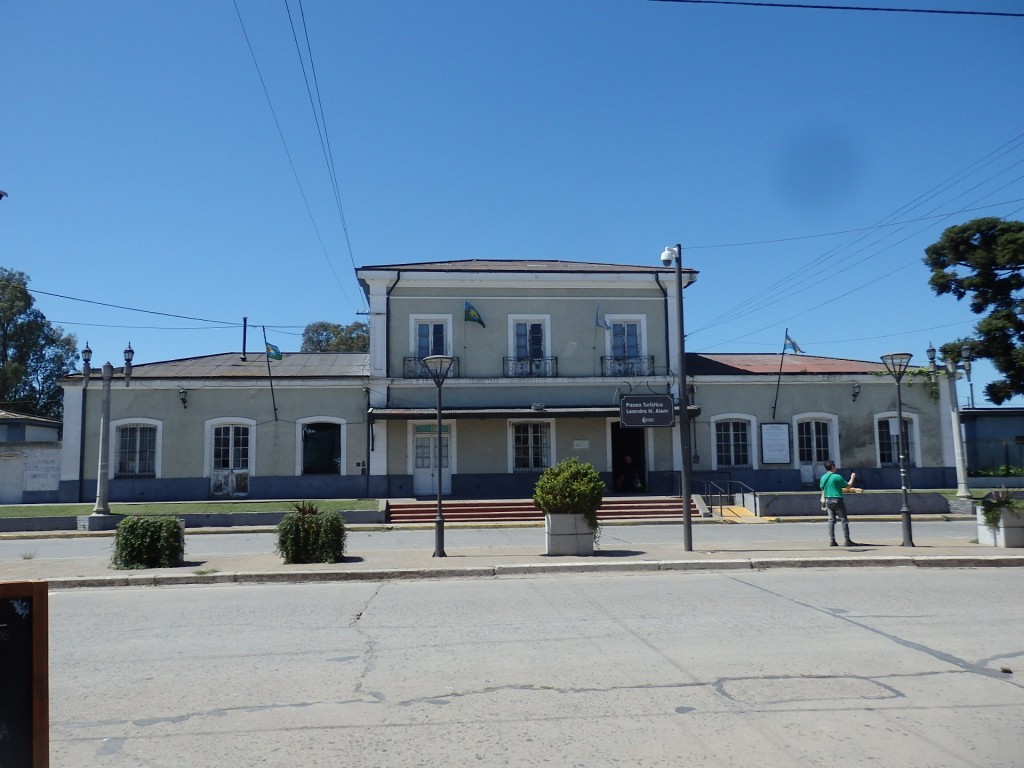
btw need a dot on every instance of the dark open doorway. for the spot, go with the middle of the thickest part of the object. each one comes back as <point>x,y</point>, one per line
<point>629,459</point>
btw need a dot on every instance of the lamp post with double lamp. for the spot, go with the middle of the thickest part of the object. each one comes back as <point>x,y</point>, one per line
<point>896,364</point>
<point>439,366</point>
<point>967,356</point>
<point>669,256</point>
<point>102,506</point>
<point>962,491</point>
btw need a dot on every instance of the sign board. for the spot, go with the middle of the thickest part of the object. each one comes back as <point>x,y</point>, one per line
<point>647,411</point>
<point>24,670</point>
<point>775,446</point>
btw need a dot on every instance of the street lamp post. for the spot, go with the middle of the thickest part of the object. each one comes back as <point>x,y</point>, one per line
<point>966,356</point>
<point>669,256</point>
<point>962,491</point>
<point>896,364</point>
<point>102,506</point>
<point>439,366</point>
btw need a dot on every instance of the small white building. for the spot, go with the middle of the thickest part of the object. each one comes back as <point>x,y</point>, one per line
<point>29,458</point>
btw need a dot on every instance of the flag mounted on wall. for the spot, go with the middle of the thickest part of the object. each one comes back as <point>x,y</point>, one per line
<point>599,321</point>
<point>792,346</point>
<point>472,316</point>
<point>273,353</point>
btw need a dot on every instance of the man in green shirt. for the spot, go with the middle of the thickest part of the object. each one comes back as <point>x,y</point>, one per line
<point>832,485</point>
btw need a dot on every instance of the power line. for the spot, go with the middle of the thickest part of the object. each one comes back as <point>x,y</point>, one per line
<point>321,120</point>
<point>136,309</point>
<point>848,231</point>
<point>288,153</point>
<point>815,7</point>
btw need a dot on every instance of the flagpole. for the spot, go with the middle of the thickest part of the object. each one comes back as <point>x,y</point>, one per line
<point>270,375</point>
<point>778,381</point>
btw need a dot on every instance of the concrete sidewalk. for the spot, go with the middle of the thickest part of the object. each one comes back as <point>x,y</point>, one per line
<point>502,560</point>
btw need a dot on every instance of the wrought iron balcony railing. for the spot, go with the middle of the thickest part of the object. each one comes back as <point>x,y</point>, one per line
<point>536,367</point>
<point>642,365</point>
<point>415,369</point>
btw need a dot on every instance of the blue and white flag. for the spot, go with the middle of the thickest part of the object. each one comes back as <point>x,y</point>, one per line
<point>792,346</point>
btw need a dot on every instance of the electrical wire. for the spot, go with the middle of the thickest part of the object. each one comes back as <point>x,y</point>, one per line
<point>288,154</point>
<point>805,277</point>
<point>321,122</point>
<point>816,7</point>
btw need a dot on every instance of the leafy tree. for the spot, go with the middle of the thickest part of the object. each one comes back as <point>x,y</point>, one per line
<point>322,336</point>
<point>34,354</point>
<point>985,258</point>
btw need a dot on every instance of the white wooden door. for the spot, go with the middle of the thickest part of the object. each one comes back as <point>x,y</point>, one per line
<point>425,474</point>
<point>229,475</point>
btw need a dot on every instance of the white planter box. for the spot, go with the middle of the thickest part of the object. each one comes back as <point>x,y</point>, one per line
<point>568,535</point>
<point>1009,533</point>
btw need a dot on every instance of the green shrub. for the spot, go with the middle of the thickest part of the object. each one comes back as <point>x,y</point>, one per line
<point>148,542</point>
<point>570,487</point>
<point>307,535</point>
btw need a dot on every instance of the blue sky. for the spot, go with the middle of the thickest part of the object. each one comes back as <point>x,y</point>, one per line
<point>144,165</point>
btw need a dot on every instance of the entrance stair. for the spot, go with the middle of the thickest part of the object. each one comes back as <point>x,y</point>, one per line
<point>524,511</point>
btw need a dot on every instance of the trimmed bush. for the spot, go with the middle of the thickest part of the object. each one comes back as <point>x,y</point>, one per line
<point>148,542</point>
<point>307,535</point>
<point>570,487</point>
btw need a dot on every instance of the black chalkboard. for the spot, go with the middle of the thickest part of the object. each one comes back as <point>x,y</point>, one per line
<point>24,669</point>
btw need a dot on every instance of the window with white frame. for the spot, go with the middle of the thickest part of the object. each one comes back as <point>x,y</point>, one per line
<point>531,446</point>
<point>625,339</point>
<point>888,441</point>
<point>732,444</point>
<point>430,336</point>
<point>137,449</point>
<point>231,447</point>
<point>529,338</point>
<point>813,440</point>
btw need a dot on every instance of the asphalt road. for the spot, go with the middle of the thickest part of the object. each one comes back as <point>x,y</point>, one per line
<point>802,667</point>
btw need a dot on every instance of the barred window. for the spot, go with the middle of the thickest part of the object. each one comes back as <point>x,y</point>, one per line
<point>136,451</point>
<point>531,446</point>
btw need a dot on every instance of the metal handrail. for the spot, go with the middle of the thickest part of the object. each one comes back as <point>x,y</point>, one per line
<point>744,489</point>
<point>719,492</point>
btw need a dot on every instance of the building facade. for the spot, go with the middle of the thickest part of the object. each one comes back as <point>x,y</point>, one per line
<point>542,354</point>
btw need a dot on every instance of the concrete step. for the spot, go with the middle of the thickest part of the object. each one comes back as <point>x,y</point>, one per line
<point>524,510</point>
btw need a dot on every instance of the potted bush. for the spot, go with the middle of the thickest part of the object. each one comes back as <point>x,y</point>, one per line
<point>1001,519</point>
<point>307,535</point>
<point>570,494</point>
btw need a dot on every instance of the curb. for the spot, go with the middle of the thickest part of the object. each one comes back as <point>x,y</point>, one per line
<point>531,569</point>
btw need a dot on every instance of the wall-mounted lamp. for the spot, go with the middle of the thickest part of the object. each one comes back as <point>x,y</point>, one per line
<point>856,391</point>
<point>183,396</point>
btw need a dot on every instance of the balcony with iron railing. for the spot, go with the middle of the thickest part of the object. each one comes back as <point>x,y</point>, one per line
<point>531,367</point>
<point>413,368</point>
<point>640,365</point>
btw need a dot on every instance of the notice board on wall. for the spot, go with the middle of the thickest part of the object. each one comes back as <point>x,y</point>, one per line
<point>24,669</point>
<point>775,444</point>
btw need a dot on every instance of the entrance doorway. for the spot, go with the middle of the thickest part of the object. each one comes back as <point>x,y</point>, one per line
<point>629,459</point>
<point>425,475</point>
